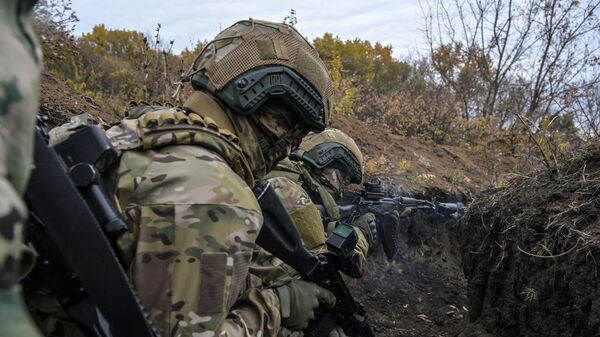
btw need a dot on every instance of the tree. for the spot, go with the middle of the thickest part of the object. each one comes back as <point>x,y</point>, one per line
<point>544,47</point>
<point>523,62</point>
<point>54,21</point>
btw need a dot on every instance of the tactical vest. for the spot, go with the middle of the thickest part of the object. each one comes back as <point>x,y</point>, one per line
<point>299,173</point>
<point>154,127</point>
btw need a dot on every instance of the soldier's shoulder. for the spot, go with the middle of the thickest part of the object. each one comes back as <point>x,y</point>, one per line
<point>286,168</point>
<point>291,194</point>
<point>186,175</point>
<point>151,129</point>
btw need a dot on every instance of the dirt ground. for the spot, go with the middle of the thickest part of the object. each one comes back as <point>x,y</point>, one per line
<point>422,291</point>
<point>415,165</point>
<point>521,262</point>
<point>59,101</point>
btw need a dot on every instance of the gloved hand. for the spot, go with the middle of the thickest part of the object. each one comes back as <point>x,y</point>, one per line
<point>299,300</point>
<point>337,332</point>
<point>405,213</point>
<point>367,224</point>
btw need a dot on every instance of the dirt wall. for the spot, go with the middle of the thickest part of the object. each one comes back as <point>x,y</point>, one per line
<point>531,251</point>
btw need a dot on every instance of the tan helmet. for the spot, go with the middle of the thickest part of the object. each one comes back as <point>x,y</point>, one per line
<point>254,61</point>
<point>320,150</point>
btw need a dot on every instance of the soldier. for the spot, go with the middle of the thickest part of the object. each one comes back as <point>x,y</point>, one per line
<point>331,161</point>
<point>19,93</point>
<point>184,183</point>
<point>325,164</point>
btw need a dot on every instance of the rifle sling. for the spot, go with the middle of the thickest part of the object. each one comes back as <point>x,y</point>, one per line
<point>53,198</point>
<point>280,237</point>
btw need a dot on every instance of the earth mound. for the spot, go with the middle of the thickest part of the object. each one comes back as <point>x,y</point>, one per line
<point>59,101</point>
<point>423,168</point>
<point>530,253</point>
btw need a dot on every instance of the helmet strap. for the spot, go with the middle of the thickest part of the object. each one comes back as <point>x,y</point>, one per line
<point>271,149</point>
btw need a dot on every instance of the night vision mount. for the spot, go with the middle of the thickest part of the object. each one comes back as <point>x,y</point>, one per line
<point>248,92</point>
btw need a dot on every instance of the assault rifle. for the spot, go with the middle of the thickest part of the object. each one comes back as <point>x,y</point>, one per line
<point>73,223</point>
<point>386,205</point>
<point>280,237</point>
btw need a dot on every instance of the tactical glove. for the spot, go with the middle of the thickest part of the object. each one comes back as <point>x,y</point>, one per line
<point>368,226</point>
<point>337,332</point>
<point>299,300</point>
<point>405,213</point>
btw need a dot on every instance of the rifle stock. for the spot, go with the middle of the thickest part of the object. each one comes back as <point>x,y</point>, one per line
<point>76,259</point>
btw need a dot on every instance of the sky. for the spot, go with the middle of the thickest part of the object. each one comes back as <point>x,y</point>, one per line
<point>398,22</point>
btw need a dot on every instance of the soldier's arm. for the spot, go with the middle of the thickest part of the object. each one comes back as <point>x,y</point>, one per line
<point>15,259</point>
<point>14,320</point>
<point>308,220</point>
<point>361,250</point>
<point>195,222</point>
<point>302,210</point>
<point>362,226</point>
<point>253,314</point>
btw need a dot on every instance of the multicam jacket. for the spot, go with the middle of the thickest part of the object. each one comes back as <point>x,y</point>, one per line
<point>287,181</point>
<point>291,182</point>
<point>193,222</point>
<point>19,93</point>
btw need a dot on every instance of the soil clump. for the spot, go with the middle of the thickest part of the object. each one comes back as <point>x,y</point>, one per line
<point>59,101</point>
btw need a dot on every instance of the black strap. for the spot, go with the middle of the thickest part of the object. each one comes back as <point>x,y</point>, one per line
<point>56,202</point>
<point>279,236</point>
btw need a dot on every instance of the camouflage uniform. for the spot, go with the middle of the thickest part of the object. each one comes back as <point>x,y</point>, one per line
<point>194,221</point>
<point>292,180</point>
<point>19,93</point>
<point>302,177</point>
<point>183,183</point>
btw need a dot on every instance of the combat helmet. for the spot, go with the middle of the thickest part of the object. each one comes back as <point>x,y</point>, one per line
<point>254,61</point>
<point>332,147</point>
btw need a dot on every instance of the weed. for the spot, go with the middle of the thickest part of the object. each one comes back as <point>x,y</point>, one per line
<point>403,166</point>
<point>455,178</point>
<point>543,248</point>
<point>529,294</point>
<point>377,165</point>
<point>424,178</point>
<point>500,184</point>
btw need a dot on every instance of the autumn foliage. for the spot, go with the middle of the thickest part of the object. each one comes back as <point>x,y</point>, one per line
<point>462,93</point>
